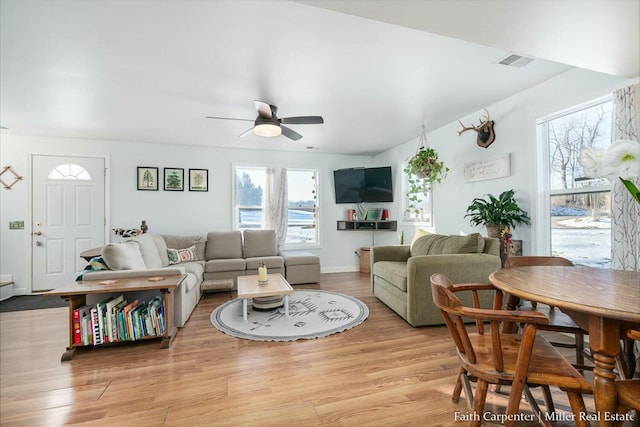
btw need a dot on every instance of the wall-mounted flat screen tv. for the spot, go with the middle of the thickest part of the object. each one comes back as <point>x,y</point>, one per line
<point>363,185</point>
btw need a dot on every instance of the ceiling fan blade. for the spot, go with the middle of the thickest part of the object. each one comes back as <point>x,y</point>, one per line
<point>290,133</point>
<point>229,118</point>
<point>266,111</point>
<point>303,120</point>
<point>246,132</point>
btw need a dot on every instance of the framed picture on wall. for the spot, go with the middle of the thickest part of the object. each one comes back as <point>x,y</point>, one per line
<point>147,178</point>
<point>198,180</point>
<point>173,179</point>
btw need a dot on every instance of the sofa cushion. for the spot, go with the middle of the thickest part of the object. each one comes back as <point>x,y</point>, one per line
<point>420,232</point>
<point>224,244</point>
<point>177,256</point>
<point>183,242</point>
<point>260,243</point>
<point>299,258</point>
<point>436,244</point>
<point>269,261</point>
<point>123,256</point>
<point>149,250</point>
<point>218,265</point>
<point>195,268</point>
<point>394,272</point>
<point>162,249</point>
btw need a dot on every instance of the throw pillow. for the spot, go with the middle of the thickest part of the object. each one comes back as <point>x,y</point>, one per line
<point>182,242</point>
<point>149,250</point>
<point>177,256</point>
<point>418,234</point>
<point>123,256</point>
<point>435,244</point>
<point>162,247</point>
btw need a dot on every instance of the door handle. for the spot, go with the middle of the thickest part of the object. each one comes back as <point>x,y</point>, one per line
<point>37,233</point>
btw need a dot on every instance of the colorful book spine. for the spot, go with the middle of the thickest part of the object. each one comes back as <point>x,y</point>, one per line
<point>77,327</point>
<point>95,327</point>
<point>109,316</point>
<point>128,320</point>
<point>87,333</point>
<point>113,320</point>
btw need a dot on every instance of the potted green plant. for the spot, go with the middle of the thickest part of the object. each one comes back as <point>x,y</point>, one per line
<point>496,213</point>
<point>423,169</point>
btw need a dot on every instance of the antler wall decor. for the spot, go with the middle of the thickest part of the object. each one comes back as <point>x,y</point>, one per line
<point>485,132</point>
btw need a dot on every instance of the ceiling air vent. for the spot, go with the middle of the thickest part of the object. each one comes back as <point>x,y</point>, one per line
<point>515,60</point>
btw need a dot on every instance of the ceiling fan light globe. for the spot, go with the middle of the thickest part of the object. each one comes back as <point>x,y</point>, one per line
<point>267,129</point>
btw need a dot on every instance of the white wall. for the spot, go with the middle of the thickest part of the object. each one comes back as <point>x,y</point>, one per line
<point>197,213</point>
<point>169,212</point>
<point>515,128</point>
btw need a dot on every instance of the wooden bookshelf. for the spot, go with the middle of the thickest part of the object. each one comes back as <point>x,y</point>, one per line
<point>77,293</point>
<point>385,225</point>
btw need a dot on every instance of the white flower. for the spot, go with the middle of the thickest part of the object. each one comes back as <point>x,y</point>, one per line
<point>591,161</point>
<point>621,159</point>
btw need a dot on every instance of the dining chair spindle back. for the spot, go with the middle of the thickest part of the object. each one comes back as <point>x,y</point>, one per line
<point>558,321</point>
<point>496,357</point>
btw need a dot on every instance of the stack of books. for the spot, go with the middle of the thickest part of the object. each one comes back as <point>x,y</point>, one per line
<point>114,319</point>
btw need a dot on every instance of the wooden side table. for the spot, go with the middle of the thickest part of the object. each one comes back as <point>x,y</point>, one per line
<point>76,294</point>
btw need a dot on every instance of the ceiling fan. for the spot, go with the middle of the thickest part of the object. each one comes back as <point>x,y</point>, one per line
<point>268,124</point>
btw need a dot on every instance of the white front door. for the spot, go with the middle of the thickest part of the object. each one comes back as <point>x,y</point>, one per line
<point>68,216</point>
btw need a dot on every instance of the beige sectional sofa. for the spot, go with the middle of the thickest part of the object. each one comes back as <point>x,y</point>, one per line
<point>219,255</point>
<point>229,255</point>
<point>400,275</point>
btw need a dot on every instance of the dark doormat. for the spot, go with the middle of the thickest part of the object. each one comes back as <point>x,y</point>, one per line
<point>31,302</point>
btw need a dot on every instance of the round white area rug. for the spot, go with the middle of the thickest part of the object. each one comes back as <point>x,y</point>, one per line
<point>312,314</point>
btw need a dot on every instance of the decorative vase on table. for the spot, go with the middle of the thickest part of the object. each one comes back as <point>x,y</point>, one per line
<point>262,274</point>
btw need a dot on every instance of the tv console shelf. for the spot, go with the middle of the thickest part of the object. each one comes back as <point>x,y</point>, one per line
<point>385,225</point>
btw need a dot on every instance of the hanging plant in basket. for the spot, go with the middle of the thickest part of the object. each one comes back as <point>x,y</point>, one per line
<point>423,169</point>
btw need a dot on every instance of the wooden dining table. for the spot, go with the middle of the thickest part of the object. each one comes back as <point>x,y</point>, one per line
<point>602,301</point>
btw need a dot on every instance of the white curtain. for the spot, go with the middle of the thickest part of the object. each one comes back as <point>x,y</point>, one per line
<point>276,204</point>
<point>625,212</point>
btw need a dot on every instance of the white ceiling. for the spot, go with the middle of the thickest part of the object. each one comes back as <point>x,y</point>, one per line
<point>150,71</point>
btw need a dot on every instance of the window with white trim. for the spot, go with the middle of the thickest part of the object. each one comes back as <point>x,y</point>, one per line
<point>579,207</point>
<point>302,212</point>
<point>419,209</point>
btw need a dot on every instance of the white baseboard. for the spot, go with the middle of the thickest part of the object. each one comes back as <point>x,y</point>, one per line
<point>343,269</point>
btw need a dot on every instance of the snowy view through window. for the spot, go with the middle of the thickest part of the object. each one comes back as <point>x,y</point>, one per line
<point>302,212</point>
<point>580,205</point>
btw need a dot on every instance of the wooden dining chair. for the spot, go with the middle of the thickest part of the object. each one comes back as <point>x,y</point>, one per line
<point>496,357</point>
<point>628,390</point>
<point>558,321</point>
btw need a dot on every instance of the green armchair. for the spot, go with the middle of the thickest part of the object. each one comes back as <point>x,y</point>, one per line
<point>400,274</point>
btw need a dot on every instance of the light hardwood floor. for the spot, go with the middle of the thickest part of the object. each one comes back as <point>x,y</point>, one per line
<point>381,373</point>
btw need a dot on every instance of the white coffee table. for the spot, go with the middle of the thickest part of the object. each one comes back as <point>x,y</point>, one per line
<point>248,287</point>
